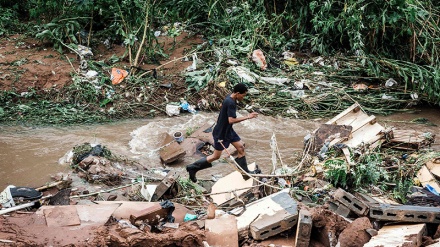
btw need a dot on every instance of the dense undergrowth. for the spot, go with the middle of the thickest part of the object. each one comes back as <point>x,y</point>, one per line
<point>337,45</point>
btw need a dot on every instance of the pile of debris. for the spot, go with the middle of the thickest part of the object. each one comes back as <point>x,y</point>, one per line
<point>296,207</point>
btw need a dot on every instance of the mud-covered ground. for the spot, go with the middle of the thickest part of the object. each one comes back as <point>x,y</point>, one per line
<point>27,63</point>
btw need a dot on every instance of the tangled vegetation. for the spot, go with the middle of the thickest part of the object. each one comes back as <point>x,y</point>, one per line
<point>336,44</point>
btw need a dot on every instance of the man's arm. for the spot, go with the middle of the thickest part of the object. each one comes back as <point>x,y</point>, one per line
<point>232,120</point>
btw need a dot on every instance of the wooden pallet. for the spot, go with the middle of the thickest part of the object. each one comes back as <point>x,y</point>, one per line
<point>409,140</point>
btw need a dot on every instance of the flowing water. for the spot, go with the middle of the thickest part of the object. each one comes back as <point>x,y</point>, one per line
<point>29,156</point>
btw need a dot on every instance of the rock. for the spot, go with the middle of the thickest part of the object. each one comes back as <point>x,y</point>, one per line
<point>355,235</point>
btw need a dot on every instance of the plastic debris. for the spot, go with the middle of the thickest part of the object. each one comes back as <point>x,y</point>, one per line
<point>360,87</point>
<point>189,217</point>
<point>259,58</point>
<point>384,96</point>
<point>187,107</point>
<point>390,82</point>
<point>172,110</point>
<point>118,75</point>
<point>84,51</point>
<point>432,190</point>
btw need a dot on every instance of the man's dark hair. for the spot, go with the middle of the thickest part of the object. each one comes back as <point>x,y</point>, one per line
<point>240,88</point>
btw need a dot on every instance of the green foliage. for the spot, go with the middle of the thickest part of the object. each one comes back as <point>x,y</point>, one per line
<point>187,185</point>
<point>401,190</point>
<point>59,32</point>
<point>199,79</point>
<point>336,172</point>
<point>8,17</point>
<point>83,92</point>
<point>364,27</point>
<point>368,171</point>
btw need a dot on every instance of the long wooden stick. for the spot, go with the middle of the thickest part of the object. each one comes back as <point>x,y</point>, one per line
<point>105,191</point>
<point>49,185</point>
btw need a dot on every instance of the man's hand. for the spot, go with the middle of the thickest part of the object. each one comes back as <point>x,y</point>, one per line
<point>252,115</point>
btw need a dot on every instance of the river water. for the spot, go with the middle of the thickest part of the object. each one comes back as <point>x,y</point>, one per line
<point>29,156</point>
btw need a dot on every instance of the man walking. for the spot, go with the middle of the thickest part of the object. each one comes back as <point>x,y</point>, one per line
<point>224,134</point>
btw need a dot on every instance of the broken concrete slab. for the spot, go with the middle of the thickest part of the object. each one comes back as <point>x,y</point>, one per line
<point>303,229</point>
<point>222,231</point>
<point>95,214</point>
<point>398,236</point>
<point>233,185</point>
<point>127,208</point>
<point>268,216</point>
<point>71,215</point>
<point>61,216</point>
<point>171,150</point>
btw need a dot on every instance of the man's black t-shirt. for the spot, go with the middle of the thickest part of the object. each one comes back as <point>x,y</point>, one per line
<point>223,129</point>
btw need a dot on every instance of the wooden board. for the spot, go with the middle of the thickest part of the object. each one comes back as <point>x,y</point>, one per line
<point>434,167</point>
<point>365,135</point>
<point>409,140</point>
<point>425,177</point>
<point>365,129</point>
<point>342,119</point>
<point>231,182</point>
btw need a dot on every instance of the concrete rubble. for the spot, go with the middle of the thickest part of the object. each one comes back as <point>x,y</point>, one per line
<point>231,211</point>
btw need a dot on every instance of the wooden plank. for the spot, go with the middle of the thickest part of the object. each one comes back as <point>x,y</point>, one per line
<point>425,177</point>
<point>231,184</point>
<point>364,135</point>
<point>355,108</point>
<point>434,166</point>
<point>398,236</point>
<point>408,140</point>
<point>358,123</point>
<point>348,158</point>
<point>364,121</point>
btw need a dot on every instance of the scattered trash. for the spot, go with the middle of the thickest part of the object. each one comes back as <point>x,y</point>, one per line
<point>178,136</point>
<point>184,105</point>
<point>259,59</point>
<point>360,87</point>
<point>84,52</point>
<point>172,110</point>
<point>118,75</point>
<point>189,217</point>
<point>390,82</point>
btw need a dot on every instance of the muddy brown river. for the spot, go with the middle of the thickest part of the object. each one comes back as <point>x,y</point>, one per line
<point>29,156</point>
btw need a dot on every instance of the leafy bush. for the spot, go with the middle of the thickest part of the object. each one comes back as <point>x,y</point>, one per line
<point>336,172</point>
<point>368,171</point>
